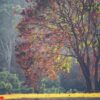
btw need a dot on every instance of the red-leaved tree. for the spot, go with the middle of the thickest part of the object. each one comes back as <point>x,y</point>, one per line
<point>69,26</point>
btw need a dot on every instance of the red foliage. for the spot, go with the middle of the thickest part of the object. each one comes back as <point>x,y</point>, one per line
<point>32,52</point>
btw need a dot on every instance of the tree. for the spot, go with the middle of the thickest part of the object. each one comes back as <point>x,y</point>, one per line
<point>7,33</point>
<point>72,25</point>
<point>30,50</point>
<point>5,41</point>
<point>78,22</point>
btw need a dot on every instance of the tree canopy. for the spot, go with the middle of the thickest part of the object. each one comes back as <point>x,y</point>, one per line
<point>53,34</point>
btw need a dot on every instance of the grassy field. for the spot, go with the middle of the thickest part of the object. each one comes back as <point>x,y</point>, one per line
<point>68,96</point>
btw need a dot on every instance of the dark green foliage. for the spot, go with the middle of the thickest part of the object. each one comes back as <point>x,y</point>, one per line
<point>72,91</point>
<point>7,78</point>
<point>10,83</point>
<point>50,86</point>
<point>23,89</point>
<point>2,87</point>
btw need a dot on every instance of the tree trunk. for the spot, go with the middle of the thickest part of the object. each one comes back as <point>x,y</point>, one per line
<point>87,79</point>
<point>96,81</point>
<point>88,84</point>
<point>86,74</point>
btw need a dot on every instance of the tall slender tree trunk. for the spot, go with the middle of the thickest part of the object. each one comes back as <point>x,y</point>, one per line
<point>88,83</point>
<point>88,80</point>
<point>86,74</point>
<point>96,81</point>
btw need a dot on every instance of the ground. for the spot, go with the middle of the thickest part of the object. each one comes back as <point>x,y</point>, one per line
<point>66,96</point>
<point>62,99</point>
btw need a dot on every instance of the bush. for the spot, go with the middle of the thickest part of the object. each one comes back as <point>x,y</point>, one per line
<point>10,83</point>
<point>2,87</point>
<point>8,87</point>
<point>72,91</point>
<point>50,86</point>
<point>52,90</point>
<point>23,90</point>
<point>26,90</point>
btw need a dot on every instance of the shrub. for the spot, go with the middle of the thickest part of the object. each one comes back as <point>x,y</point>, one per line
<point>23,90</point>
<point>10,83</point>
<point>50,86</point>
<point>72,91</point>
<point>26,90</point>
<point>2,87</point>
<point>52,90</point>
<point>8,87</point>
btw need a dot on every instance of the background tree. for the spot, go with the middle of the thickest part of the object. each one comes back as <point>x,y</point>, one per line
<point>5,38</point>
<point>8,33</point>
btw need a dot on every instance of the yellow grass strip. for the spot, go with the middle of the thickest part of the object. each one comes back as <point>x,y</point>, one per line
<point>62,95</point>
